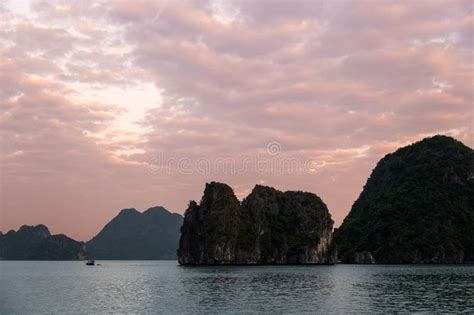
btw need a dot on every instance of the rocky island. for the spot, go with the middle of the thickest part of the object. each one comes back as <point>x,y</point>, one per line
<point>417,207</point>
<point>37,243</point>
<point>149,235</point>
<point>268,227</point>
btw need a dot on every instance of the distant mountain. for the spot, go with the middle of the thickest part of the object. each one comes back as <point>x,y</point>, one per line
<point>417,207</point>
<point>153,234</point>
<point>37,243</point>
<point>269,227</point>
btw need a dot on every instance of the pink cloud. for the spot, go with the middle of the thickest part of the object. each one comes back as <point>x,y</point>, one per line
<point>337,83</point>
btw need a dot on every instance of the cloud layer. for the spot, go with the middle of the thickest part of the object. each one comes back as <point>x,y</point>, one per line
<point>94,94</point>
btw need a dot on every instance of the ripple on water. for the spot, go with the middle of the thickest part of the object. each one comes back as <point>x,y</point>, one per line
<point>152,286</point>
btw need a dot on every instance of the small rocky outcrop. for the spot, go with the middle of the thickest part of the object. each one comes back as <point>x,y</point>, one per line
<point>269,227</point>
<point>417,207</point>
<point>37,243</point>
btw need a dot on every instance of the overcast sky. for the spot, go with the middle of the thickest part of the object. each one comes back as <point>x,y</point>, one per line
<point>110,105</point>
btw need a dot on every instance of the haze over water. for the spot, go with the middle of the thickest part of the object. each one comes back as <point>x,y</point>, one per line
<point>164,287</point>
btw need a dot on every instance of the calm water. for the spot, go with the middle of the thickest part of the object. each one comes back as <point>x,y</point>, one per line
<point>165,287</point>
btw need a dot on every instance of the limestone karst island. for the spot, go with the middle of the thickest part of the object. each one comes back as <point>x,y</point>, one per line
<point>417,207</point>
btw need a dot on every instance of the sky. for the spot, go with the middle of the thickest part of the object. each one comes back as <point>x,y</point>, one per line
<point>106,105</point>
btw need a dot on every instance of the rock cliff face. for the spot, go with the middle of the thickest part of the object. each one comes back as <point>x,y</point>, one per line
<point>153,234</point>
<point>269,227</point>
<point>210,230</point>
<point>417,207</point>
<point>37,243</point>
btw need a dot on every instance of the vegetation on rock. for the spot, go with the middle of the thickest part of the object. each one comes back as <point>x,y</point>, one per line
<point>269,227</point>
<point>417,207</point>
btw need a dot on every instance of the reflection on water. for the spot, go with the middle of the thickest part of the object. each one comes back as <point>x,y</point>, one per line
<point>163,286</point>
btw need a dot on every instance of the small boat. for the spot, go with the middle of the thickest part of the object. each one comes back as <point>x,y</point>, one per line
<point>90,263</point>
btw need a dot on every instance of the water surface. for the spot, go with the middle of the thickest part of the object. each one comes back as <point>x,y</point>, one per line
<point>163,286</point>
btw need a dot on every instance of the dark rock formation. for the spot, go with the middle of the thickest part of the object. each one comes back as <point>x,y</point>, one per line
<point>151,235</point>
<point>210,230</point>
<point>417,207</point>
<point>290,227</point>
<point>269,227</point>
<point>37,243</point>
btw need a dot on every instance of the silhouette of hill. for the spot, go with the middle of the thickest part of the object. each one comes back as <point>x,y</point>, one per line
<point>37,243</point>
<point>417,207</point>
<point>153,234</point>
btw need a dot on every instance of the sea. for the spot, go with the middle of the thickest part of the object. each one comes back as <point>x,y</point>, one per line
<point>164,287</point>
